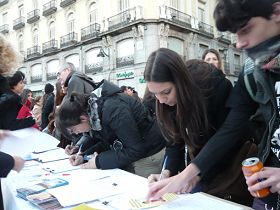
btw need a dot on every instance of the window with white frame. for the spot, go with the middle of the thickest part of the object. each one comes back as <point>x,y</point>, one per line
<point>124,5</point>
<point>92,13</point>
<point>35,4</point>
<point>52,67</point>
<point>52,31</point>
<point>70,23</point>
<point>35,37</point>
<point>20,10</point>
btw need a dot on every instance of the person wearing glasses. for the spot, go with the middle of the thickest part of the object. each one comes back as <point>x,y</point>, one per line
<point>124,134</point>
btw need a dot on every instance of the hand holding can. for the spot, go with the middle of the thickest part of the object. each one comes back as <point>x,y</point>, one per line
<point>251,166</point>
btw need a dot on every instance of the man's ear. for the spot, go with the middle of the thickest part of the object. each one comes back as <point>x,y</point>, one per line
<point>83,118</point>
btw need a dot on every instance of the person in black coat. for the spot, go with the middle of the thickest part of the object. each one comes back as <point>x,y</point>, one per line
<point>10,103</point>
<point>190,107</point>
<point>48,105</point>
<point>118,121</point>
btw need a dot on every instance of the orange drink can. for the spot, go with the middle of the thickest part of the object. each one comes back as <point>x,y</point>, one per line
<point>251,166</point>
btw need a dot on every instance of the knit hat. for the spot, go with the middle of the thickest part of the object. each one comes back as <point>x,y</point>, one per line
<point>49,88</point>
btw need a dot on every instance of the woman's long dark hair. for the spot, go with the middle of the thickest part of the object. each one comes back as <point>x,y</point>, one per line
<point>70,110</point>
<point>191,122</point>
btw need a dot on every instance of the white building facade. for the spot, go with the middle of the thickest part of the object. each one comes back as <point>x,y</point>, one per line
<point>110,39</point>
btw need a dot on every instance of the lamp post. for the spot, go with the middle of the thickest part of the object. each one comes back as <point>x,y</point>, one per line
<point>103,54</point>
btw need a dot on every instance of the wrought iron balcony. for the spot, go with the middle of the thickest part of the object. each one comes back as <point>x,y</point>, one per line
<point>19,23</point>
<point>178,17</point>
<point>50,46</point>
<point>3,2</point>
<point>33,52</point>
<point>94,68</point>
<point>224,37</point>
<point>125,61</point>
<point>237,69</point>
<point>90,32</point>
<point>68,40</point>
<point>206,29</point>
<point>65,3</point>
<point>36,78</point>
<point>51,76</point>
<point>49,8</point>
<point>4,29</point>
<point>122,19</point>
<point>33,16</point>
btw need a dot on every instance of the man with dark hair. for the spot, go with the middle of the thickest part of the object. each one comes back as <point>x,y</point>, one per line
<point>257,26</point>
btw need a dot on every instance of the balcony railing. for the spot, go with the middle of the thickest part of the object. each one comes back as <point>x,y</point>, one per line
<point>68,40</point>
<point>90,32</point>
<point>3,2</point>
<point>33,16</point>
<point>50,46</point>
<point>49,8</point>
<point>65,3</point>
<point>36,78</point>
<point>224,37</point>
<point>178,17</point>
<point>19,23</point>
<point>4,29</point>
<point>125,61</point>
<point>237,69</point>
<point>124,18</point>
<point>206,29</point>
<point>94,68</point>
<point>52,76</point>
<point>33,52</point>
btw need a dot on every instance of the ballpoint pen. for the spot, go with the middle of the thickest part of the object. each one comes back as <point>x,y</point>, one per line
<point>163,168</point>
<point>79,152</point>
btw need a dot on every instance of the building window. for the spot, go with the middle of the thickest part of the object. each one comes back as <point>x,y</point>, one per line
<point>93,13</point>
<point>202,48</point>
<point>237,60</point>
<point>74,58</point>
<point>173,3</point>
<point>201,14</point>
<point>35,37</point>
<point>70,23</point>
<point>5,18</point>
<point>124,5</point>
<point>52,67</point>
<point>35,4</point>
<point>20,11</point>
<point>176,45</point>
<point>51,31</point>
<point>125,51</point>
<point>20,43</point>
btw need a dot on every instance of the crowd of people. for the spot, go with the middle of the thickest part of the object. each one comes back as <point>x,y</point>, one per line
<point>190,115</point>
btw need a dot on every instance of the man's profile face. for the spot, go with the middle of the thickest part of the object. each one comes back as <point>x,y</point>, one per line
<point>62,75</point>
<point>256,31</point>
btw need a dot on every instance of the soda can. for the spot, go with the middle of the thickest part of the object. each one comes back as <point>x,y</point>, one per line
<point>251,166</point>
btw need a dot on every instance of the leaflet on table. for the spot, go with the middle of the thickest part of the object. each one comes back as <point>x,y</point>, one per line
<point>51,155</point>
<point>44,200</point>
<point>59,166</point>
<point>199,201</point>
<point>25,141</point>
<point>40,187</point>
<point>88,191</point>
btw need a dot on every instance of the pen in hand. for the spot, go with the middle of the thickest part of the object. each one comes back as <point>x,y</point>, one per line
<point>79,152</point>
<point>163,168</point>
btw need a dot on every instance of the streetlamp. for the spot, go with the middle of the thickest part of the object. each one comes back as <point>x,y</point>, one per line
<point>103,54</point>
